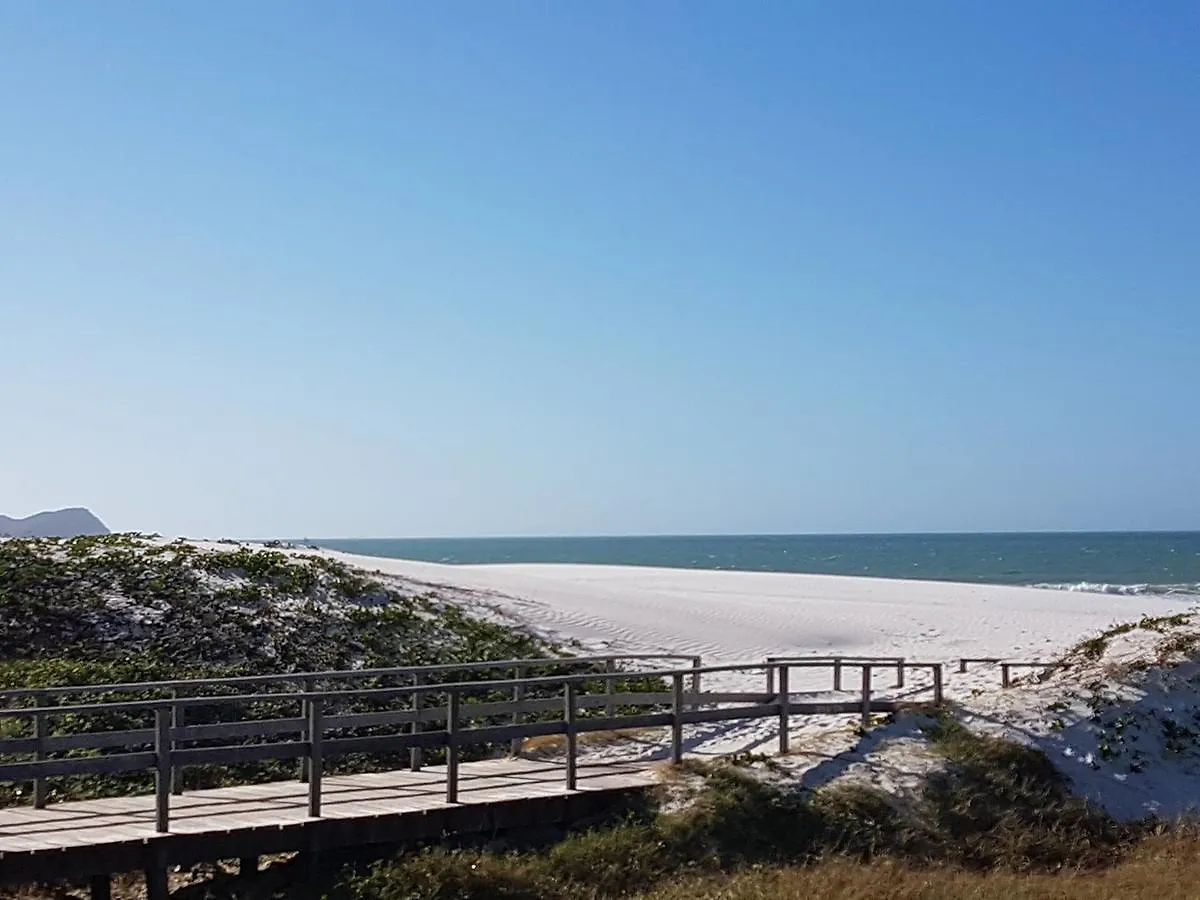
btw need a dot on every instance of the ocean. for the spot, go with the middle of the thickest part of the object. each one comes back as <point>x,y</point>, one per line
<point>1105,562</point>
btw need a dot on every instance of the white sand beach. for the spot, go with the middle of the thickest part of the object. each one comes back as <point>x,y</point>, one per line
<point>728,617</point>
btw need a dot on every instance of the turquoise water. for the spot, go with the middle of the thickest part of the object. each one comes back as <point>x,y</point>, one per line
<point>1141,562</point>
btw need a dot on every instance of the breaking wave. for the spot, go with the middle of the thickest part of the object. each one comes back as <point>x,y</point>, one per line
<point>1128,590</point>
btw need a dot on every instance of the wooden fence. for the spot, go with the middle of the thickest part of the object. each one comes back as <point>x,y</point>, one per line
<point>318,726</point>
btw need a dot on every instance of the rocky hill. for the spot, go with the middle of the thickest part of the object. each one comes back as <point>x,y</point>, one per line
<point>60,523</point>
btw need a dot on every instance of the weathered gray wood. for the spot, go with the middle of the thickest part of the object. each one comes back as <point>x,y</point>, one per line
<point>785,710</point>
<point>518,711</point>
<point>452,748</point>
<point>937,684</point>
<point>162,769</point>
<point>306,713</point>
<point>316,733</point>
<point>866,695</point>
<point>298,678</point>
<point>677,719</point>
<point>229,756</point>
<point>569,728</point>
<point>39,737</point>
<point>341,721</point>
<point>177,719</point>
<point>100,740</point>
<point>610,690</point>
<point>95,765</point>
<point>415,754</point>
<point>252,728</point>
<point>19,745</point>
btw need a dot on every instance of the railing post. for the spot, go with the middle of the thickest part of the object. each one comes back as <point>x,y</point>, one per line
<point>900,673</point>
<point>677,717</point>
<point>962,666</point>
<point>770,676</point>
<point>569,719</point>
<point>518,695</point>
<point>316,733</point>
<point>162,769</point>
<point>177,718</point>
<point>837,673</point>
<point>866,694</point>
<point>937,684</point>
<point>785,709</point>
<point>416,756</point>
<point>452,747</point>
<point>305,764</point>
<point>40,735</point>
<point>100,887</point>
<point>696,662</point>
<point>610,689</point>
<point>1005,675</point>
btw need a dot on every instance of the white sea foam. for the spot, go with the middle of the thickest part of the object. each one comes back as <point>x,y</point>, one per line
<point>1125,590</point>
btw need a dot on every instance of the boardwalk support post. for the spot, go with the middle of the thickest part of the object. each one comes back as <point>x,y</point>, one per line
<point>452,747</point>
<point>569,720</point>
<point>177,713</point>
<point>156,883</point>
<point>100,887</point>
<point>937,684</point>
<point>837,674</point>
<point>1005,675</point>
<point>518,695</point>
<point>416,756</point>
<point>770,676</point>
<point>307,686</point>
<point>40,735</point>
<point>785,709</point>
<point>316,732</point>
<point>677,718</point>
<point>866,695</point>
<point>900,672</point>
<point>696,663</point>
<point>610,689</point>
<point>162,769</point>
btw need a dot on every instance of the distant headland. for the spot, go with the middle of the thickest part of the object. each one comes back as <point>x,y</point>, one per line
<point>53,523</point>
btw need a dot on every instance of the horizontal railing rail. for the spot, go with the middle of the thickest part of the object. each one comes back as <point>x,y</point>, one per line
<point>1007,665</point>
<point>838,662</point>
<point>303,678</point>
<point>324,728</point>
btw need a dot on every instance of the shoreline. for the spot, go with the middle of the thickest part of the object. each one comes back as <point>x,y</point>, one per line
<point>1095,581</point>
<point>736,616</point>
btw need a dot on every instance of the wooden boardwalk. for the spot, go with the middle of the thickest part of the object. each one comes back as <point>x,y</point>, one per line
<point>311,718</point>
<point>90,837</point>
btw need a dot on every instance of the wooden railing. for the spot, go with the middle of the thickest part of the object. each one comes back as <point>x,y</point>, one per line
<point>304,680</point>
<point>310,734</point>
<point>1007,665</point>
<point>840,662</point>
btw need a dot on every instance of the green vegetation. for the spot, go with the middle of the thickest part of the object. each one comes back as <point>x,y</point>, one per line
<point>996,806</point>
<point>128,608</point>
<point>1095,647</point>
<point>149,605</point>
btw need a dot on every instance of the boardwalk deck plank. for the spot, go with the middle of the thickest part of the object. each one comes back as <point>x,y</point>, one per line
<point>99,823</point>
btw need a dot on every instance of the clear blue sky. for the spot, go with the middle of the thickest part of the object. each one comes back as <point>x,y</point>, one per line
<point>400,269</point>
